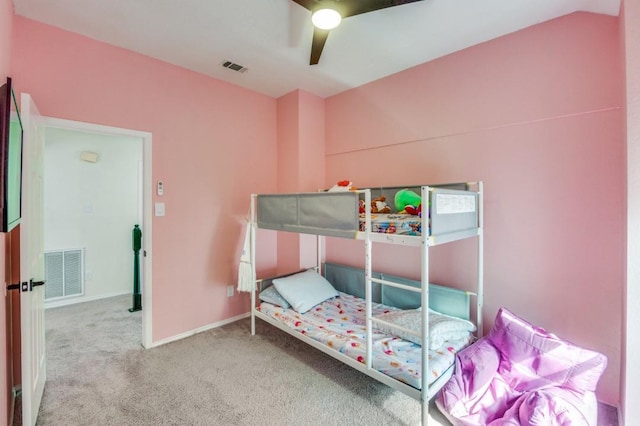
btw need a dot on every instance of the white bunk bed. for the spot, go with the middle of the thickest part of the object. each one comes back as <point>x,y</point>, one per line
<point>451,212</point>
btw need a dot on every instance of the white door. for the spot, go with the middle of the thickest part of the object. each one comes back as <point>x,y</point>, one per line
<point>32,263</point>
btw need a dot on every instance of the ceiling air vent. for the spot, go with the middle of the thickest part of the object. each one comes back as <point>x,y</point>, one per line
<point>234,66</point>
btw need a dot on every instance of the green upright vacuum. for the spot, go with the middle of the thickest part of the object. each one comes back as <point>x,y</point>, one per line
<point>137,245</point>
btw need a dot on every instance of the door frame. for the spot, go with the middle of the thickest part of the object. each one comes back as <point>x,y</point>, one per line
<point>147,191</point>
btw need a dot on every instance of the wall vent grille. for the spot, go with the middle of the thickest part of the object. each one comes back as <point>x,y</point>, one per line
<point>63,270</point>
<point>234,66</point>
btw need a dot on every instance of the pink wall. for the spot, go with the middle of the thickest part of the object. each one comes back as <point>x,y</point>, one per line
<point>288,167</point>
<point>6,28</point>
<point>537,116</point>
<point>300,167</point>
<point>311,121</point>
<point>210,140</point>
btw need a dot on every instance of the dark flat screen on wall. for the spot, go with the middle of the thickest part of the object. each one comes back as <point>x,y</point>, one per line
<point>10,159</point>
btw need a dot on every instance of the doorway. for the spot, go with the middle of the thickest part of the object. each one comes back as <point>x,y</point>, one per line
<point>31,329</point>
<point>122,154</point>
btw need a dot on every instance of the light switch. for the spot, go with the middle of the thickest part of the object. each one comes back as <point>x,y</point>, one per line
<point>159,208</point>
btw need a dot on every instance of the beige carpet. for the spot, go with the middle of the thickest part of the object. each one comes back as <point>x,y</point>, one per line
<point>99,375</point>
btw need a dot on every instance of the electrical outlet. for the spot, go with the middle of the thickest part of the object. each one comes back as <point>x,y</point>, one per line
<point>229,291</point>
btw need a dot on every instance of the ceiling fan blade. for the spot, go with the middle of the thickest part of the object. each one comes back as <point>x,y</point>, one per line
<point>307,4</point>
<point>346,8</point>
<point>357,7</point>
<point>319,39</point>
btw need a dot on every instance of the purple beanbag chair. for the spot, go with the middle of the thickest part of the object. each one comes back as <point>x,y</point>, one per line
<point>520,374</point>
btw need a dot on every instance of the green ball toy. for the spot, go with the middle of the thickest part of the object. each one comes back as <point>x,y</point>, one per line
<point>405,198</point>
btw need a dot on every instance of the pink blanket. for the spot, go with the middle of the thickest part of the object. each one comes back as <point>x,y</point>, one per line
<point>520,374</point>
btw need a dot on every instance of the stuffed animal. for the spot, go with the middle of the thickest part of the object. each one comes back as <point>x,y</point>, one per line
<point>413,210</point>
<point>342,186</point>
<point>407,198</point>
<point>378,205</point>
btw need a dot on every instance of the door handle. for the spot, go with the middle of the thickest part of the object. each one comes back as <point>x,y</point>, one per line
<point>33,284</point>
<point>23,286</point>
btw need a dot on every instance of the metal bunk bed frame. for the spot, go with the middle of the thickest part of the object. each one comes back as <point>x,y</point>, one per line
<point>443,205</point>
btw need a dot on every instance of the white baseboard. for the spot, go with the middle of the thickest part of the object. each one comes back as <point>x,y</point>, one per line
<point>81,299</point>
<point>198,330</point>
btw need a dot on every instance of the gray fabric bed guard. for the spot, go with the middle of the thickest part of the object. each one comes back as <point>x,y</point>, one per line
<point>454,212</point>
<point>333,214</point>
<point>351,280</point>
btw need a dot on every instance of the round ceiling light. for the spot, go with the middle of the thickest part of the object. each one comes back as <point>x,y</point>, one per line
<point>326,19</point>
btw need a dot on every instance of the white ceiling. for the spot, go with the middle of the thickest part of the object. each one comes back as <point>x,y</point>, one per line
<point>272,38</point>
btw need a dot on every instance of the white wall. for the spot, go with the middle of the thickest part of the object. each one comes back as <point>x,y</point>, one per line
<point>93,205</point>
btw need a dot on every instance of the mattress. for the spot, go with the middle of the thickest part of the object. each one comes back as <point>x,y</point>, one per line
<point>403,224</point>
<point>339,323</point>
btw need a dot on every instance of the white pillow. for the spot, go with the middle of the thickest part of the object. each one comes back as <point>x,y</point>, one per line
<point>271,295</point>
<point>304,290</point>
<point>441,327</point>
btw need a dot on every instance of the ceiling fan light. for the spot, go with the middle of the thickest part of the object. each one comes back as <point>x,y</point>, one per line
<point>326,19</point>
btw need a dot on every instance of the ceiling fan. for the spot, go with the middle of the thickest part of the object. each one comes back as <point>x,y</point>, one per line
<point>334,11</point>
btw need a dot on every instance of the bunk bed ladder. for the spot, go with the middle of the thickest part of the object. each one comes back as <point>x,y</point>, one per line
<point>368,277</point>
<point>424,290</point>
<point>424,279</point>
<point>319,252</point>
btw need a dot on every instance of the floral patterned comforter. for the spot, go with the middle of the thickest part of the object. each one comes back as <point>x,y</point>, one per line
<point>340,324</point>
